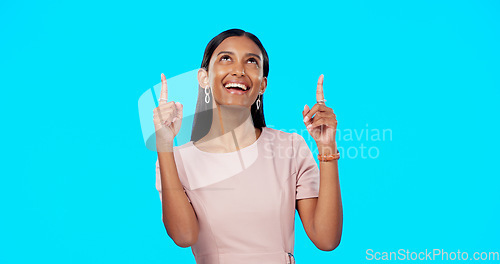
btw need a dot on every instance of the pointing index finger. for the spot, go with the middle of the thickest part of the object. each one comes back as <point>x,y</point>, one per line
<point>319,89</point>
<point>164,90</point>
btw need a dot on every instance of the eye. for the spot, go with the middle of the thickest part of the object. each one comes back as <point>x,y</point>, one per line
<point>225,57</point>
<point>253,60</point>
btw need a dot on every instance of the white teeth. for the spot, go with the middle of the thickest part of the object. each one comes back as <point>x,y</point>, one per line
<point>242,86</point>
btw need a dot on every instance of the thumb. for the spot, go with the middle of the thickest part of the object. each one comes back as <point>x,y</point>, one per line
<point>305,111</point>
<point>179,107</point>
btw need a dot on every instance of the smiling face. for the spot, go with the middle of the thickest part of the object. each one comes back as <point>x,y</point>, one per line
<point>235,72</point>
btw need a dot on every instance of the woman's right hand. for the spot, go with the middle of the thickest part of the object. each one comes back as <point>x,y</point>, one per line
<point>167,118</point>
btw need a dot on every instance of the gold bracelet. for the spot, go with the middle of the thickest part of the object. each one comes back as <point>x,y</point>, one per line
<point>335,156</point>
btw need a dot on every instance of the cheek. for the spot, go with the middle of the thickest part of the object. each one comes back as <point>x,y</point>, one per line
<point>252,68</point>
<point>254,72</point>
<point>257,79</point>
<point>215,76</point>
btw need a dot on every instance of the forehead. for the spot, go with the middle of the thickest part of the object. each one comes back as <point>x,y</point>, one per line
<point>239,45</point>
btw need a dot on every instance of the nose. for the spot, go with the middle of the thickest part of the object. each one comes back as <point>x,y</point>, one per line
<point>238,70</point>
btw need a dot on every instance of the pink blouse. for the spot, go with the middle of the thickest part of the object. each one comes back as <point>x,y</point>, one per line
<point>245,200</point>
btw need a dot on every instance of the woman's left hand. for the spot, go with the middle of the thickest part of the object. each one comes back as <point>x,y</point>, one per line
<point>320,120</point>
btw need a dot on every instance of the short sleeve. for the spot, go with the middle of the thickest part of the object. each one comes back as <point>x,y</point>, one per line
<point>306,168</point>
<point>158,181</point>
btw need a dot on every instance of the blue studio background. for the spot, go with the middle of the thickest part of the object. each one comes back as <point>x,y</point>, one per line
<point>78,183</point>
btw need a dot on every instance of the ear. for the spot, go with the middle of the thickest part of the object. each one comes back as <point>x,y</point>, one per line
<point>203,78</point>
<point>263,85</point>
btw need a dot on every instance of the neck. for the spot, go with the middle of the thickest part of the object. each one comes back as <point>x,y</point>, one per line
<point>232,129</point>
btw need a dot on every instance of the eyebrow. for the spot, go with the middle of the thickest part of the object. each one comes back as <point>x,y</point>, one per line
<point>248,54</point>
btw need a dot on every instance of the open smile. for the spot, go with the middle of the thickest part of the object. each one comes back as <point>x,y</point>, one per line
<point>237,87</point>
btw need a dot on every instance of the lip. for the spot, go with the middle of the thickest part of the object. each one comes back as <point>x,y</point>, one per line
<point>237,91</point>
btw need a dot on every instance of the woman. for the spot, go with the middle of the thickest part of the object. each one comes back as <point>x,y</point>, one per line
<point>233,189</point>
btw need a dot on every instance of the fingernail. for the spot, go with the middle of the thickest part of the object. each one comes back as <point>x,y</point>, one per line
<point>306,118</point>
<point>309,126</point>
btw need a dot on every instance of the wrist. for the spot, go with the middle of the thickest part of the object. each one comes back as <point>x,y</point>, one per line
<point>165,147</point>
<point>327,149</point>
<point>328,153</point>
